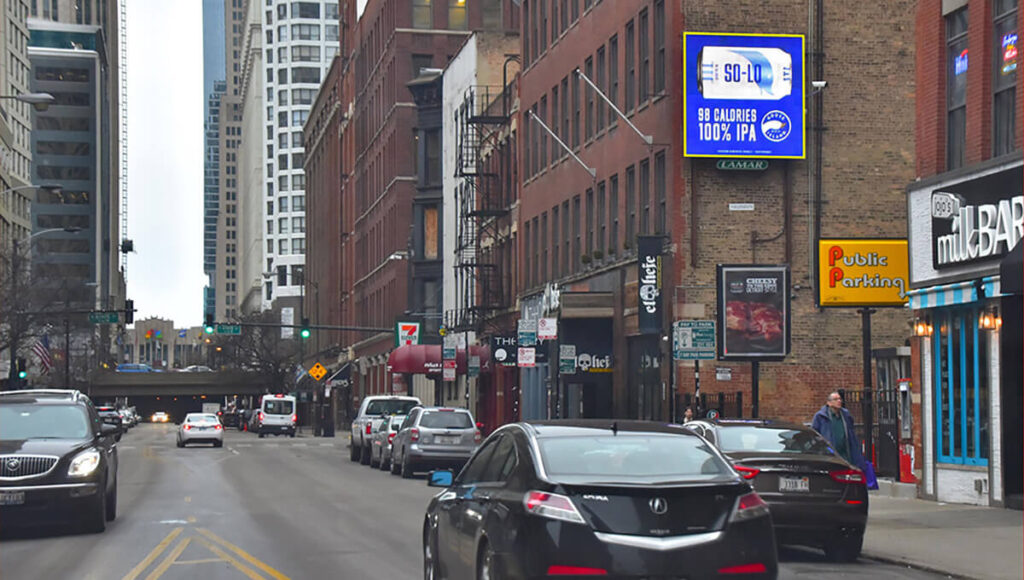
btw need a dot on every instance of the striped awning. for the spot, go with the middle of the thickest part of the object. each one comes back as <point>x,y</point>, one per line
<point>954,294</point>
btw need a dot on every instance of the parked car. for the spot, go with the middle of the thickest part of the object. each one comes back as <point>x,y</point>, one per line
<point>197,369</point>
<point>58,460</point>
<point>432,437</point>
<point>111,416</point>
<point>375,406</point>
<point>606,498</point>
<point>384,432</point>
<point>201,428</point>
<point>815,496</point>
<point>134,368</point>
<point>277,415</point>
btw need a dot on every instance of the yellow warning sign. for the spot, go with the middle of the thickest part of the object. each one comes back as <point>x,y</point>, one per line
<point>317,371</point>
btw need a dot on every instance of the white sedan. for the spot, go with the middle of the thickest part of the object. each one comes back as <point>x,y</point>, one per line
<point>201,428</point>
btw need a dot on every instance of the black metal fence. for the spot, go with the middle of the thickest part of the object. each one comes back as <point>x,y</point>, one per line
<point>884,429</point>
<point>727,405</point>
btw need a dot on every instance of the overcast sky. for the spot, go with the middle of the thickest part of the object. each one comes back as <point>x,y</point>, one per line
<point>165,159</point>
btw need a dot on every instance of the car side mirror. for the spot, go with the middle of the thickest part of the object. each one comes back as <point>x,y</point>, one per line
<point>106,430</point>
<point>440,478</point>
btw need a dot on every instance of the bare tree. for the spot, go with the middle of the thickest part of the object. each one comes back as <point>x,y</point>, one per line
<point>260,350</point>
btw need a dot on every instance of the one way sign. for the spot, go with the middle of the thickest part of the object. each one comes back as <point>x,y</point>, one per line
<point>407,333</point>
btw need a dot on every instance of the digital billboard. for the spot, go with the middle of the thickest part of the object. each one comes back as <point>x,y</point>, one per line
<point>743,95</point>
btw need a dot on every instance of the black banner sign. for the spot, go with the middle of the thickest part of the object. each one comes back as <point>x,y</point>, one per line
<point>649,283</point>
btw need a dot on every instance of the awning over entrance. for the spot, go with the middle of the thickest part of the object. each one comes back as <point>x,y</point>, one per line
<point>1011,270</point>
<point>955,294</point>
<point>425,359</point>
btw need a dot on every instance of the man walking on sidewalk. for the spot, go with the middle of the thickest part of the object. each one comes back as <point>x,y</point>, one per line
<point>835,424</point>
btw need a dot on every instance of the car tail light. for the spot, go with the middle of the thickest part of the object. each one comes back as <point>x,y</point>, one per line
<point>260,417</point>
<point>295,418</point>
<point>414,434</point>
<point>552,505</point>
<point>217,427</point>
<point>749,506</point>
<point>757,568</point>
<point>391,437</point>
<point>476,437</point>
<point>368,427</point>
<point>848,476</point>
<point>576,571</point>
<point>188,427</point>
<point>747,472</point>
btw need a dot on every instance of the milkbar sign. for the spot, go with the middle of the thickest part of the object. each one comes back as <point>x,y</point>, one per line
<point>977,232</point>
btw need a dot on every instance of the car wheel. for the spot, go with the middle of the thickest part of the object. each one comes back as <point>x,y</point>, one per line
<point>845,548</point>
<point>262,435</point>
<point>111,509</point>
<point>407,467</point>
<point>485,569</point>
<point>394,465</point>
<point>292,434</point>
<point>218,444</point>
<point>385,464</point>
<point>364,456</point>
<point>374,463</point>
<point>181,443</point>
<point>430,568</point>
<point>96,515</point>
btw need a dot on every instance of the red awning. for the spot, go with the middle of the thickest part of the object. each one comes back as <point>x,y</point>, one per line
<point>425,359</point>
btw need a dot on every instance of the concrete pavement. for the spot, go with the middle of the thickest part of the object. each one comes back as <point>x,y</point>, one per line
<point>960,540</point>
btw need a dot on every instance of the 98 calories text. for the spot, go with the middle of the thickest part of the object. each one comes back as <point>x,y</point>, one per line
<point>727,124</point>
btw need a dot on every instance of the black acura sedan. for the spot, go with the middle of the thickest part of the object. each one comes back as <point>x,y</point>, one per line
<point>816,498</point>
<point>58,460</point>
<point>579,498</point>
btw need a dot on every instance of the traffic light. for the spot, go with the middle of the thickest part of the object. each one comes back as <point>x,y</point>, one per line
<point>129,311</point>
<point>208,326</point>
<point>304,331</point>
<point>22,368</point>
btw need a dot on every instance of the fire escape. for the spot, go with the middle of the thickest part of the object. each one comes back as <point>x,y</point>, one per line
<point>483,204</point>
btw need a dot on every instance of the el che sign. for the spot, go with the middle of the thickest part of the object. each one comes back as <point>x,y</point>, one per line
<point>743,95</point>
<point>862,272</point>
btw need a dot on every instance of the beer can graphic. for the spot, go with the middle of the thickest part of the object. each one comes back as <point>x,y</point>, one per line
<point>744,73</point>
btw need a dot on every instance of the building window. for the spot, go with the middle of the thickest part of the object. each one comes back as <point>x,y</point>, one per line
<point>961,357</point>
<point>660,193</point>
<point>575,111</point>
<point>602,226</point>
<point>305,32</point>
<point>457,15</point>
<point>577,246</point>
<point>644,38</point>
<point>1004,71</point>
<point>659,46</point>
<point>613,211</point>
<point>590,221</point>
<point>544,243</point>
<point>534,145</point>
<point>544,24</point>
<point>956,88</point>
<point>421,14</point>
<point>282,276</point>
<point>535,258</point>
<point>431,233</point>
<point>299,246</point>
<point>526,32</point>
<point>645,196</point>
<point>613,76</point>
<point>565,113</point>
<point>556,123</point>
<point>299,225</point>
<point>554,20</point>
<point>432,169</point>
<point>601,84</point>
<point>305,10</point>
<point>299,203</point>
<point>306,74</point>
<point>305,54</point>
<point>543,134</point>
<point>566,240</point>
<point>492,14</point>
<point>630,66</point>
<point>630,206</point>
<point>282,204</point>
<point>555,241</point>
<point>588,69</point>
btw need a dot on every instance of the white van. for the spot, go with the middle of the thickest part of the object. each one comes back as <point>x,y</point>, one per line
<point>277,415</point>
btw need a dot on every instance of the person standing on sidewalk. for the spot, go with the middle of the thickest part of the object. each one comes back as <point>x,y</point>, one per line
<point>835,424</point>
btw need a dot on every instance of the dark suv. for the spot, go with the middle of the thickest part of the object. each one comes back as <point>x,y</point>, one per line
<point>58,460</point>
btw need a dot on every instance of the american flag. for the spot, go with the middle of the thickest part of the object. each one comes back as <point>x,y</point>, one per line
<point>42,350</point>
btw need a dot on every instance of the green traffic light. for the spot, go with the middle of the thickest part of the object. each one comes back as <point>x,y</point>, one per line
<point>209,330</point>
<point>22,374</point>
<point>304,333</point>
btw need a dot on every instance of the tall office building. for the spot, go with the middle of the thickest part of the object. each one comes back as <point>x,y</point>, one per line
<point>214,87</point>
<point>15,161</point>
<point>301,39</point>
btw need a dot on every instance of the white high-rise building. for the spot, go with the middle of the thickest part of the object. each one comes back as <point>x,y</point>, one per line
<point>300,39</point>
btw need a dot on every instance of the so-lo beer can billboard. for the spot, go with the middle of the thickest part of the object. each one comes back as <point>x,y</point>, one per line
<point>753,312</point>
<point>863,272</point>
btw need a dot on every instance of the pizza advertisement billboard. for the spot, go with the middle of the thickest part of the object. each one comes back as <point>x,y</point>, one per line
<point>753,312</point>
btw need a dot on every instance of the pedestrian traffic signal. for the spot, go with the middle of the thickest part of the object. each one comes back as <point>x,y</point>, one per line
<point>208,326</point>
<point>304,331</point>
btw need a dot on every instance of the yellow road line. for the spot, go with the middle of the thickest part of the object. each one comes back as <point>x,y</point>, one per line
<point>152,556</point>
<point>188,499</point>
<point>191,519</point>
<point>171,557</point>
<point>243,554</point>
<point>240,566</point>
<point>201,561</point>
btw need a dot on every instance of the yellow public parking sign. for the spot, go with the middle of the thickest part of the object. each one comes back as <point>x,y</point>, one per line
<point>317,371</point>
<point>863,272</point>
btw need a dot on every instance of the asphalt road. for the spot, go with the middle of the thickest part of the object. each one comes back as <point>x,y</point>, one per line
<point>268,508</point>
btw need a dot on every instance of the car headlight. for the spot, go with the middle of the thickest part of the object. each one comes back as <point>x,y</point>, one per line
<point>84,463</point>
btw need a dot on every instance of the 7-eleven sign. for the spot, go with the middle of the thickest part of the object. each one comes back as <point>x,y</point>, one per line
<point>407,333</point>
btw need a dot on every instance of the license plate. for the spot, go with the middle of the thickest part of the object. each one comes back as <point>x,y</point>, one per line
<point>12,498</point>
<point>794,484</point>
<point>449,440</point>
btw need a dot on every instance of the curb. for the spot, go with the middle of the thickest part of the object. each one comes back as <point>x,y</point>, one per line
<point>914,565</point>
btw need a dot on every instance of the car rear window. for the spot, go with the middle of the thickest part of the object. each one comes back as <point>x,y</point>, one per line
<point>803,441</point>
<point>396,423</point>
<point>390,407</point>
<point>650,457</point>
<point>446,420</point>
<point>202,419</point>
<point>43,422</point>
<point>277,407</point>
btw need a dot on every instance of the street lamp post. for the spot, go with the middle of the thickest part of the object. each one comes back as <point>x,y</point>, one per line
<point>39,101</point>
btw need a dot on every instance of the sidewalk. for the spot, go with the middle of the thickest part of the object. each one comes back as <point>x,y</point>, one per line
<point>961,540</point>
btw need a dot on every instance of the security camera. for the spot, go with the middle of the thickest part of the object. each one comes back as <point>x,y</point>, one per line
<point>819,84</point>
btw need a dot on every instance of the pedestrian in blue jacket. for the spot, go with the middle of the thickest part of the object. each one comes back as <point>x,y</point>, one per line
<point>835,424</point>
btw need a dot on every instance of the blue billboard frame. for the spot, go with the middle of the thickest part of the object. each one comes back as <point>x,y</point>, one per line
<point>726,121</point>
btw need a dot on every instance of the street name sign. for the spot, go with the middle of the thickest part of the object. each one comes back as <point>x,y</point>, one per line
<point>233,329</point>
<point>103,317</point>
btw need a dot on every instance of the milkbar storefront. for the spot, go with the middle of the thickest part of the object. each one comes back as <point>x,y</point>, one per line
<point>967,332</point>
